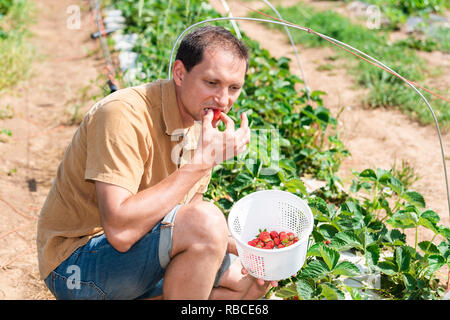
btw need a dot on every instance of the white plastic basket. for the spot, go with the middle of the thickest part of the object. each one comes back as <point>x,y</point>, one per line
<point>272,210</point>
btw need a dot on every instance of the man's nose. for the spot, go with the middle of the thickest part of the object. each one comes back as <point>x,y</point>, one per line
<point>222,98</point>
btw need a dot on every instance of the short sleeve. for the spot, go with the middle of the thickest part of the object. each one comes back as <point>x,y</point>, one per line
<point>203,183</point>
<point>118,145</point>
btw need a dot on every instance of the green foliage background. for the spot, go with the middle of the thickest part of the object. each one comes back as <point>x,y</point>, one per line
<point>369,220</point>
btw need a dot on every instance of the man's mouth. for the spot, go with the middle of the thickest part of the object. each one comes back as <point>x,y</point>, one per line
<point>205,110</point>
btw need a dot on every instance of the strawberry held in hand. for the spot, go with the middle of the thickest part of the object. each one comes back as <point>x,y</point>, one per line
<point>216,115</point>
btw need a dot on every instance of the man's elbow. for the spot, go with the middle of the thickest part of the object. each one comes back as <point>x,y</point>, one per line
<point>117,239</point>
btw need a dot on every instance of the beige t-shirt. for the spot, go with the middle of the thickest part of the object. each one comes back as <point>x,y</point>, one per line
<point>133,138</point>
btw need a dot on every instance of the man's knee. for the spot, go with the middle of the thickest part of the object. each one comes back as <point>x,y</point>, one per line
<point>201,226</point>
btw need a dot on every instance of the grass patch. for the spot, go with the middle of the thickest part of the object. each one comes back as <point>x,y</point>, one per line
<point>386,90</point>
<point>325,67</point>
<point>16,52</point>
<point>398,11</point>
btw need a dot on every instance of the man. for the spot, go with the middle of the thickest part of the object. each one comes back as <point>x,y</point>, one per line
<point>125,218</point>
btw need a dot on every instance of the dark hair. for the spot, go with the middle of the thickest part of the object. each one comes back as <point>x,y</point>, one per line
<point>194,44</point>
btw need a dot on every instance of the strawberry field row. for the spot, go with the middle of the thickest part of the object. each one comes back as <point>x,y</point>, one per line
<point>294,137</point>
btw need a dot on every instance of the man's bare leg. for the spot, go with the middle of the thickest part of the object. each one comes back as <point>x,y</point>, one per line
<point>200,238</point>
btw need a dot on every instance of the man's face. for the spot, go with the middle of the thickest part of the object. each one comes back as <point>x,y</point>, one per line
<point>215,83</point>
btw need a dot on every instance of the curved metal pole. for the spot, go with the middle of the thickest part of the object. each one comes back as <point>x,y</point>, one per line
<point>336,41</point>
<point>423,98</point>
<point>222,19</point>
<point>293,47</point>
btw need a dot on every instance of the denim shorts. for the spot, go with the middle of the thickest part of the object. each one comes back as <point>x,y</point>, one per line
<point>97,271</point>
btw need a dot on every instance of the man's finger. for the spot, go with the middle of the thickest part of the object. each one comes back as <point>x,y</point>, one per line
<point>260,282</point>
<point>207,119</point>
<point>244,120</point>
<point>231,246</point>
<point>243,133</point>
<point>229,123</point>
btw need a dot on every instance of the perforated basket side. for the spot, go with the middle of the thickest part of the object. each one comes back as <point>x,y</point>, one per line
<point>294,217</point>
<point>254,263</point>
<point>236,225</point>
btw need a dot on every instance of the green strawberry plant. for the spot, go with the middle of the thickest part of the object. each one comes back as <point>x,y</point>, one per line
<point>371,224</point>
<point>293,137</point>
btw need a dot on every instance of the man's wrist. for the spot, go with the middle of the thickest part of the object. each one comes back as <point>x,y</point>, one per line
<point>200,168</point>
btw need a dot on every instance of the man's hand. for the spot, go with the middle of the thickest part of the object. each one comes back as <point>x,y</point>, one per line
<point>215,146</point>
<point>232,249</point>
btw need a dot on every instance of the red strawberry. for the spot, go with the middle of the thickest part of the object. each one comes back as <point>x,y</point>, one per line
<point>269,245</point>
<point>260,244</point>
<point>327,242</point>
<point>274,234</point>
<point>276,241</point>
<point>291,235</point>
<point>284,237</point>
<point>216,115</point>
<point>264,236</point>
<point>295,239</point>
<point>252,243</point>
<point>289,243</point>
<point>280,246</point>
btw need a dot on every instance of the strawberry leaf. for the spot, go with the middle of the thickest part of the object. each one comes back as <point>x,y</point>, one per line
<point>402,258</point>
<point>372,255</point>
<point>287,291</point>
<point>330,256</point>
<point>305,288</point>
<point>414,198</point>
<point>315,270</point>
<point>346,240</point>
<point>387,267</point>
<point>346,268</point>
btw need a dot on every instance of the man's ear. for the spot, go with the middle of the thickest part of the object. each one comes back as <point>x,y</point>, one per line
<point>178,72</point>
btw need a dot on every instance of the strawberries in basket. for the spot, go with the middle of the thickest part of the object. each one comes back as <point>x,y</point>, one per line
<point>273,239</point>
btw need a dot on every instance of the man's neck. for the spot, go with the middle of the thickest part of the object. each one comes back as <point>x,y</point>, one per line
<point>186,118</point>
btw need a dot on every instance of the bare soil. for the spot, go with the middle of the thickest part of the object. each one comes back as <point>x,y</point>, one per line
<point>69,63</point>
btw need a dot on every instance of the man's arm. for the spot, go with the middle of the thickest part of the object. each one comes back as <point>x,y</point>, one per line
<point>126,217</point>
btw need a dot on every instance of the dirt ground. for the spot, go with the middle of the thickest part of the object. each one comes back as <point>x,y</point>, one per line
<point>68,63</point>
<point>68,60</point>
